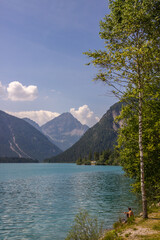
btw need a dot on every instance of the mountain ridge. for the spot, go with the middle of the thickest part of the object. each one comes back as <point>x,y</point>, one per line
<point>64,130</point>
<point>33,123</point>
<point>19,139</point>
<point>98,138</point>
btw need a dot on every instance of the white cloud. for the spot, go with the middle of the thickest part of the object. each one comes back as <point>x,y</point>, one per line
<point>84,115</point>
<point>18,92</point>
<point>2,91</point>
<point>40,117</point>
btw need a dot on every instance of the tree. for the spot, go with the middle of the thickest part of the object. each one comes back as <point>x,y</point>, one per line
<point>104,158</point>
<point>90,156</point>
<point>130,61</point>
<point>128,147</point>
<point>79,161</point>
<point>96,156</point>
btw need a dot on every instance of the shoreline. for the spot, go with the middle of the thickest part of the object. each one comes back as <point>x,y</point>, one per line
<point>148,229</point>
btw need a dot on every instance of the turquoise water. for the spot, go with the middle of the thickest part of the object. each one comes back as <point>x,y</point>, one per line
<point>39,201</point>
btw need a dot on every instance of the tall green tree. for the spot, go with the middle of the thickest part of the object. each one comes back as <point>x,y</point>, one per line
<point>129,149</point>
<point>130,61</point>
<point>96,156</point>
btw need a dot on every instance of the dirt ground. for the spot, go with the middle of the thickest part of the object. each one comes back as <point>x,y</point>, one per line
<point>144,229</point>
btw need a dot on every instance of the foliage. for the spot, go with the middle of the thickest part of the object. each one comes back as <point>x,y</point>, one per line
<point>131,229</point>
<point>130,65</point>
<point>112,235</point>
<point>106,157</point>
<point>96,156</point>
<point>98,138</point>
<point>83,161</point>
<point>118,224</point>
<point>128,146</point>
<point>131,35</point>
<point>85,228</point>
<point>130,220</point>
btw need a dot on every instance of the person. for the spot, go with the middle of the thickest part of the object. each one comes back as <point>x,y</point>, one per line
<point>129,213</point>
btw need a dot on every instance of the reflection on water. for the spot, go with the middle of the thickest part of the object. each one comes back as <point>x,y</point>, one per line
<point>39,201</point>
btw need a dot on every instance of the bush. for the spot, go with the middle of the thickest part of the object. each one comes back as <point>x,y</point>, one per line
<point>131,220</point>
<point>118,224</point>
<point>111,235</point>
<point>85,228</point>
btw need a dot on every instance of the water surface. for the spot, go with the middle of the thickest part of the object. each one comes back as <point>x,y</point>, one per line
<point>40,201</point>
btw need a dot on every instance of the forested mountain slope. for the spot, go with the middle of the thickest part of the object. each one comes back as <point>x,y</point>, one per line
<point>98,138</point>
<point>19,139</point>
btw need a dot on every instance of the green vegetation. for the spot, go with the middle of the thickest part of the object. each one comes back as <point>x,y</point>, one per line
<point>120,223</point>
<point>128,148</point>
<point>85,228</point>
<point>156,227</point>
<point>100,137</point>
<point>130,65</point>
<point>111,235</point>
<point>137,228</point>
<point>107,157</point>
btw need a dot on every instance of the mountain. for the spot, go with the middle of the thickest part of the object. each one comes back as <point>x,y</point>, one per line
<point>64,130</point>
<point>33,123</point>
<point>19,139</point>
<point>100,137</point>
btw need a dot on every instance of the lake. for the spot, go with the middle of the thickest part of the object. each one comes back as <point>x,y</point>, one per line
<point>40,201</point>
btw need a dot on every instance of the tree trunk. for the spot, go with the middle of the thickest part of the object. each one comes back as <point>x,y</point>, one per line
<point>143,192</point>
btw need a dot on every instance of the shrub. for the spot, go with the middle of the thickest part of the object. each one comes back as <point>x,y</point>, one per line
<point>111,235</point>
<point>118,224</point>
<point>85,228</point>
<point>131,220</point>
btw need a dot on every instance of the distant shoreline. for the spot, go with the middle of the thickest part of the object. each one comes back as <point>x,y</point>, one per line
<point>17,160</point>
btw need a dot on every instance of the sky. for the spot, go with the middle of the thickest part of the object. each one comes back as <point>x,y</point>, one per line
<point>42,65</point>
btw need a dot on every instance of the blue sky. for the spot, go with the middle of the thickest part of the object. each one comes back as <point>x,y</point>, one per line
<point>42,66</point>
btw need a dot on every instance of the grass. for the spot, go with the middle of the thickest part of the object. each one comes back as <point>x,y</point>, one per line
<point>153,237</point>
<point>112,235</point>
<point>156,227</point>
<point>138,228</point>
